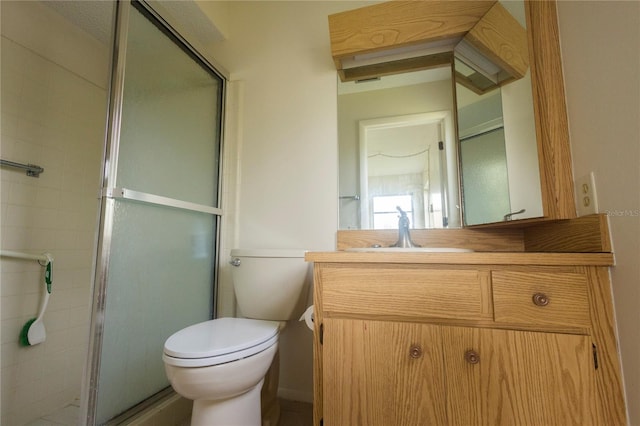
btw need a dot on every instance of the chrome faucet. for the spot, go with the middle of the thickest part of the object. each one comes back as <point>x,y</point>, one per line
<point>404,239</point>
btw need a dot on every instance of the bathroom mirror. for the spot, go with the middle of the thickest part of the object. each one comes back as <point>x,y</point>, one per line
<point>398,148</point>
<point>500,178</point>
<point>521,185</point>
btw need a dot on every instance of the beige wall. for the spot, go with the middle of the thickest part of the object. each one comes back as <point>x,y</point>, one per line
<point>281,151</point>
<point>601,57</point>
<point>284,144</point>
<point>53,111</point>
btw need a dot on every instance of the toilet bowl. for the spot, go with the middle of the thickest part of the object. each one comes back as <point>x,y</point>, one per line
<point>221,364</point>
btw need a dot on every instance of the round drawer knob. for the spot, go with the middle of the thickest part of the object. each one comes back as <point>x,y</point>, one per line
<point>472,357</point>
<point>540,299</point>
<point>415,351</point>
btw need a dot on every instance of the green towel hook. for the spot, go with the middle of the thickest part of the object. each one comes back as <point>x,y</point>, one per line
<point>48,272</point>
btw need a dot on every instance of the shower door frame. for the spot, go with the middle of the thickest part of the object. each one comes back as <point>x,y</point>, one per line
<point>110,193</point>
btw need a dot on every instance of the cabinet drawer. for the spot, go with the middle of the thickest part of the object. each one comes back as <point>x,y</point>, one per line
<point>415,293</point>
<point>552,299</point>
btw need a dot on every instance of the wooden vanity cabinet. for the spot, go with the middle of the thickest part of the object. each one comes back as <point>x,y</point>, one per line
<point>383,373</point>
<point>440,344</point>
<point>510,377</point>
<point>405,373</point>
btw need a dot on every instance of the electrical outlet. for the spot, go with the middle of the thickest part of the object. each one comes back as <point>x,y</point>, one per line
<point>586,200</point>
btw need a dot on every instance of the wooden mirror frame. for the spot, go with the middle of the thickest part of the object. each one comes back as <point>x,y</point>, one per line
<point>398,24</point>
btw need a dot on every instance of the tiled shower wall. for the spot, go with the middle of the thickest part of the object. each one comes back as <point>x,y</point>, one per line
<point>53,108</point>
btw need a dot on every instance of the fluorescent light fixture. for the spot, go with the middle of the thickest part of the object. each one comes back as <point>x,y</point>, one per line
<point>406,52</point>
<point>477,61</point>
<point>463,50</point>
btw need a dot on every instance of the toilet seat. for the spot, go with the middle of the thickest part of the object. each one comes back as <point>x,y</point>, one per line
<point>219,341</point>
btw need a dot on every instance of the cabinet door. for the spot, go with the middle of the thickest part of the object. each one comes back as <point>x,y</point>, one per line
<point>504,377</point>
<point>382,373</point>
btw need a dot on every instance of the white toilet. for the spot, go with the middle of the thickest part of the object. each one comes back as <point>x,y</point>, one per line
<point>221,364</point>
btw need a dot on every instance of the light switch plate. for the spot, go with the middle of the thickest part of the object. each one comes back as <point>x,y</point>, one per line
<point>586,201</point>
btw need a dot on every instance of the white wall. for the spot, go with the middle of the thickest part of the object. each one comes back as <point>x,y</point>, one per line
<point>53,111</point>
<point>601,57</point>
<point>284,139</point>
<point>521,147</point>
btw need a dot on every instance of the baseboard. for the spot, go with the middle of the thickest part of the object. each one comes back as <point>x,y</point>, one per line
<point>295,395</point>
<point>173,409</point>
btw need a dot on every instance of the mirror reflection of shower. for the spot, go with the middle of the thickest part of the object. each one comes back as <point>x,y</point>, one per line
<point>498,151</point>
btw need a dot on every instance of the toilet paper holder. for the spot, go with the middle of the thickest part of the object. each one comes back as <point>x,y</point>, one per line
<point>307,317</point>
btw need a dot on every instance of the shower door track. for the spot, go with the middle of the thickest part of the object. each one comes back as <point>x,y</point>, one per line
<point>143,197</point>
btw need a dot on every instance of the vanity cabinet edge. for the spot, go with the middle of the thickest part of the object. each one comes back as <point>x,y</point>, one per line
<point>317,345</point>
<point>604,333</point>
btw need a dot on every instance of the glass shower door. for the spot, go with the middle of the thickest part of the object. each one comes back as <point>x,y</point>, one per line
<point>155,272</point>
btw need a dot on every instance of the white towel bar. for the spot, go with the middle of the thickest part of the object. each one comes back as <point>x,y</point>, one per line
<point>44,257</point>
<point>32,169</point>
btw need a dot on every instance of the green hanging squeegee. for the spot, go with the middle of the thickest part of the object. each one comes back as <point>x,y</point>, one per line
<point>33,331</point>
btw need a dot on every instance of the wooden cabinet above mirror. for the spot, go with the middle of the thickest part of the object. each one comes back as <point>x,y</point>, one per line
<point>414,34</point>
<point>368,40</point>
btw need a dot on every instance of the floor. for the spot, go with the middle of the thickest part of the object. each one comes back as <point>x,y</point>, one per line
<point>292,413</point>
<point>67,416</point>
<point>295,413</point>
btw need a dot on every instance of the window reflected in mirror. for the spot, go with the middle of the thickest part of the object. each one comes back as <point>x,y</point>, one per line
<point>385,210</point>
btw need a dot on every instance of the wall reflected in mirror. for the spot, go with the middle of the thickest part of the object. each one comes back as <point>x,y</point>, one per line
<point>397,147</point>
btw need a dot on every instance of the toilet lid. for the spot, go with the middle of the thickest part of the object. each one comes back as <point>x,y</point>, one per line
<point>218,341</point>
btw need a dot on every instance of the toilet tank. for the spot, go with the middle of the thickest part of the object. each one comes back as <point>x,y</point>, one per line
<point>270,284</point>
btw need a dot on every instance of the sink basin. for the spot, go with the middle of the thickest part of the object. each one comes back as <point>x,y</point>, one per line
<point>410,249</point>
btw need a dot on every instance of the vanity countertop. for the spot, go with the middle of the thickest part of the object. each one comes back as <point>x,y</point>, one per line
<point>473,258</point>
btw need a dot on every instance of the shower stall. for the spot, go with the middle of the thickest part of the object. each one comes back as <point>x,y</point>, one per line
<point>125,117</point>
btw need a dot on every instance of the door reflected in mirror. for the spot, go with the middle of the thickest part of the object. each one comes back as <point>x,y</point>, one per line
<point>398,148</point>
